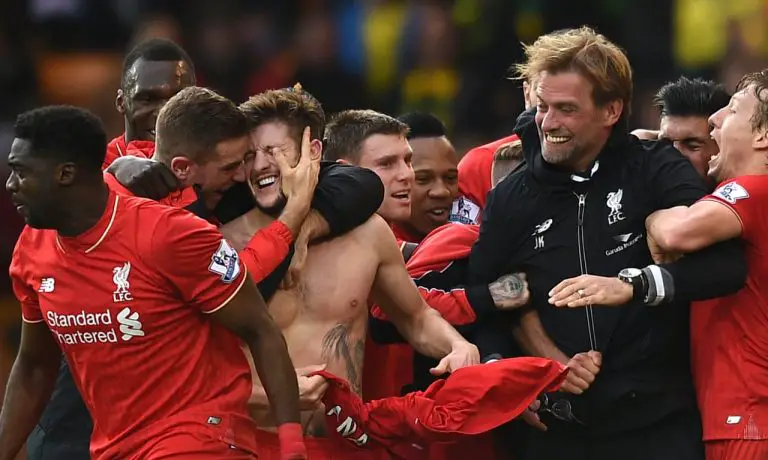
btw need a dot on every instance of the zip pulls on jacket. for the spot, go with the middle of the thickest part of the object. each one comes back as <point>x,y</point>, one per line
<point>583,266</point>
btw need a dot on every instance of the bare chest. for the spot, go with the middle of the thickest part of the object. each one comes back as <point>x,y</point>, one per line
<point>334,285</point>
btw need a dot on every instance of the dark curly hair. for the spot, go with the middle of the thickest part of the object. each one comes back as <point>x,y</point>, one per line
<point>64,133</point>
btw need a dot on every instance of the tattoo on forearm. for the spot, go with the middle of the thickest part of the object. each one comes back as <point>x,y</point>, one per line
<point>338,344</point>
<point>508,287</point>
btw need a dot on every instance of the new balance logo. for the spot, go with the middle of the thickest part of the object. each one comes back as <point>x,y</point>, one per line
<point>130,326</point>
<point>47,285</point>
<point>538,237</point>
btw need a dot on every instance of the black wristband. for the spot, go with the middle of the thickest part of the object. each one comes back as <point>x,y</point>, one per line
<point>661,285</point>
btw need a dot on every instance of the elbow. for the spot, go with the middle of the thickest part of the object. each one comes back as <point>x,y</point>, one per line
<point>372,188</point>
<point>259,333</point>
<point>676,240</point>
<point>671,241</point>
<point>414,327</point>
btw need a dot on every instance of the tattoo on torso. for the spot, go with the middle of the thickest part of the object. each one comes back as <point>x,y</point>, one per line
<point>338,344</point>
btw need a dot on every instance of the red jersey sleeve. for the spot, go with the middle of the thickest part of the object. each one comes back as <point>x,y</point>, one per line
<point>267,250</point>
<point>196,259</point>
<point>23,286</point>
<point>746,196</point>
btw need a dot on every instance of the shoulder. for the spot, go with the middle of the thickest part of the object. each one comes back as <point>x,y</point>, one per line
<point>32,238</point>
<point>654,152</point>
<point>34,243</point>
<point>374,227</point>
<point>155,218</point>
<point>514,182</point>
<point>375,234</point>
<point>30,241</point>
<point>742,187</point>
<point>32,246</point>
<point>512,193</point>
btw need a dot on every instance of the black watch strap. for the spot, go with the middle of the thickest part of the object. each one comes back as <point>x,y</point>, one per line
<point>638,280</point>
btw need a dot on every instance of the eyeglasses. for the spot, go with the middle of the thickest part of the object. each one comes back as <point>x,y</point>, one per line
<point>560,409</point>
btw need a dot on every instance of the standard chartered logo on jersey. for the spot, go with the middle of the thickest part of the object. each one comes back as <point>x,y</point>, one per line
<point>124,326</point>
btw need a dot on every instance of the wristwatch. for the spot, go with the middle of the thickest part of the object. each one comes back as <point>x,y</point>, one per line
<point>636,278</point>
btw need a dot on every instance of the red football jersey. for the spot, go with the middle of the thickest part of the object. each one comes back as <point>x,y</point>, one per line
<point>128,301</point>
<point>729,344</point>
<point>117,148</point>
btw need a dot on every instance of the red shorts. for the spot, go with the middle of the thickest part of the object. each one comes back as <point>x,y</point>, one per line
<point>737,449</point>
<point>317,449</point>
<point>194,445</point>
<point>188,436</point>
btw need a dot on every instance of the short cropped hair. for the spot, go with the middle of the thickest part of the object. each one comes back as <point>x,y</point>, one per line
<point>64,133</point>
<point>156,49</point>
<point>422,124</point>
<point>346,131</point>
<point>194,121</point>
<point>293,106</point>
<point>688,97</point>
<point>759,82</point>
<point>590,54</point>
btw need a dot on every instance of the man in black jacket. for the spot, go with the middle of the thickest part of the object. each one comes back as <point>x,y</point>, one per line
<point>579,207</point>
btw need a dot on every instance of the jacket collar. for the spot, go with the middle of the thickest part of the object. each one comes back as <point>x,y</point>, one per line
<point>549,175</point>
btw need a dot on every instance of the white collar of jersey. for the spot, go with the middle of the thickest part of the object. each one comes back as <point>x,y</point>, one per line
<point>586,177</point>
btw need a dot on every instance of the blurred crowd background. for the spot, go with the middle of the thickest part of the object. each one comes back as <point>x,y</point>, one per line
<point>447,57</point>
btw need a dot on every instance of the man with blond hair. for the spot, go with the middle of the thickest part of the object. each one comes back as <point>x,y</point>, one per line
<point>578,210</point>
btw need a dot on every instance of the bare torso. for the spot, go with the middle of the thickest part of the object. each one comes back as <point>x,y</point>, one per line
<point>324,317</point>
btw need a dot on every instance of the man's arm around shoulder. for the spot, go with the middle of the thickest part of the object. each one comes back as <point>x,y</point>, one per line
<point>718,270</point>
<point>394,291</point>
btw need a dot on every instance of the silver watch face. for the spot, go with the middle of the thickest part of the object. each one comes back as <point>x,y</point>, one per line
<point>630,273</point>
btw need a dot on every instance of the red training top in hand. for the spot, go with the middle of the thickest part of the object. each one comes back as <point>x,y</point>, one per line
<point>471,401</point>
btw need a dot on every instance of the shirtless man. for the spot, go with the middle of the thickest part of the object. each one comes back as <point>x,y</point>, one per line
<point>324,316</point>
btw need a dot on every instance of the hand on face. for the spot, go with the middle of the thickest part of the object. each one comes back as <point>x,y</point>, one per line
<point>298,181</point>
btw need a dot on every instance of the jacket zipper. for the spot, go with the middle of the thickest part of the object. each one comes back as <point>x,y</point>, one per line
<point>583,265</point>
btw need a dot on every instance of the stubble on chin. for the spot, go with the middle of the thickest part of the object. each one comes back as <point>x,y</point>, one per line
<point>275,209</point>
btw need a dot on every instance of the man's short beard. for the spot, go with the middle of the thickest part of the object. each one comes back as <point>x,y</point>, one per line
<point>276,208</point>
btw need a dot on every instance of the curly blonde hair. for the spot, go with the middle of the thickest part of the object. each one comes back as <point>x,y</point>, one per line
<point>587,52</point>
